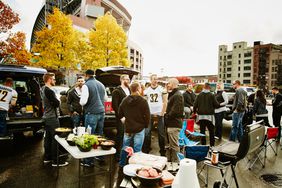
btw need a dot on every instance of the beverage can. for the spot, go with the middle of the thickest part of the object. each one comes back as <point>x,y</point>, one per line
<point>214,158</point>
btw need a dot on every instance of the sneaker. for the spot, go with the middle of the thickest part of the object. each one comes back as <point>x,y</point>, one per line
<point>216,137</point>
<point>86,164</point>
<point>60,164</point>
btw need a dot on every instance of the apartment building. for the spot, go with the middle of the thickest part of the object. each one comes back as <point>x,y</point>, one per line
<point>267,63</point>
<point>236,63</point>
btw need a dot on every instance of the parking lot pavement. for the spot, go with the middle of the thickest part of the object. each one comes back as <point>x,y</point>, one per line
<point>21,166</point>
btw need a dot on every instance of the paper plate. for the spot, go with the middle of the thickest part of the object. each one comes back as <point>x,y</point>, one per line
<point>130,169</point>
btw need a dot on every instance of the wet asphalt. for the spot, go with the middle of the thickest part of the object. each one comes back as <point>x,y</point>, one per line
<point>21,165</point>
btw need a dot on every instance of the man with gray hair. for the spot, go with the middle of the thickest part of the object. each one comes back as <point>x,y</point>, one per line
<point>173,118</point>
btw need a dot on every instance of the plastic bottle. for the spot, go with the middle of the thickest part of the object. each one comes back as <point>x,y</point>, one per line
<point>88,130</point>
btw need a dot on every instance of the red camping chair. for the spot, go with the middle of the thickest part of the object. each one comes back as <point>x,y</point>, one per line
<point>271,137</point>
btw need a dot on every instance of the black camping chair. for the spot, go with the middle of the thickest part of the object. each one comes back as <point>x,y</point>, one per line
<point>231,153</point>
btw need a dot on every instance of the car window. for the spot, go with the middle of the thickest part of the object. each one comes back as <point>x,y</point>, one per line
<point>250,89</point>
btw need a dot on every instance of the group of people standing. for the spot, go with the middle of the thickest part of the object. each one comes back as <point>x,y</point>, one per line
<point>86,104</point>
<point>137,110</point>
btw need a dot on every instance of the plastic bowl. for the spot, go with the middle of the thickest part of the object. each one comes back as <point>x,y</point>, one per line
<point>148,181</point>
<point>107,145</point>
<point>63,132</point>
<point>70,142</point>
<point>84,149</point>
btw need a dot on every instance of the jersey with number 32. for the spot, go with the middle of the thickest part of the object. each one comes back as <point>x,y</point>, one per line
<point>6,95</point>
<point>155,99</point>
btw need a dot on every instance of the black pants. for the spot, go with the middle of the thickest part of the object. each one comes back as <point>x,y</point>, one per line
<point>210,126</point>
<point>276,122</point>
<point>50,144</point>
<point>119,136</point>
<point>218,124</point>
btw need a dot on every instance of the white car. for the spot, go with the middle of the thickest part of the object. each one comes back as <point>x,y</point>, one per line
<point>59,89</point>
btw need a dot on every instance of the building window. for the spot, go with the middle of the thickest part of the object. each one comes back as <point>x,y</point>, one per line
<point>247,61</point>
<point>220,76</point>
<point>247,74</point>
<point>220,57</point>
<point>238,75</point>
<point>228,81</point>
<point>239,62</point>
<point>228,75</point>
<point>239,46</point>
<point>220,70</point>
<point>239,55</point>
<point>220,63</point>
<point>248,54</point>
<point>246,81</point>
<point>229,57</point>
<point>234,47</point>
<point>228,69</point>
<point>239,68</point>
<point>132,51</point>
<point>247,68</point>
<point>229,62</point>
<point>220,49</point>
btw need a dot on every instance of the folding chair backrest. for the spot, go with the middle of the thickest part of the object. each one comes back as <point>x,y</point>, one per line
<point>272,132</point>
<point>252,139</point>
<point>197,153</point>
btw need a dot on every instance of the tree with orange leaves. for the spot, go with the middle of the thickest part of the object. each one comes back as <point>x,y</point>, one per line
<point>12,49</point>
<point>8,18</point>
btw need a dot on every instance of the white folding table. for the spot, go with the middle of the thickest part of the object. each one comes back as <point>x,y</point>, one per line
<point>77,154</point>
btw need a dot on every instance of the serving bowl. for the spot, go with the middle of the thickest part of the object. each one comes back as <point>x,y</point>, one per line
<point>63,132</point>
<point>107,144</point>
<point>149,181</point>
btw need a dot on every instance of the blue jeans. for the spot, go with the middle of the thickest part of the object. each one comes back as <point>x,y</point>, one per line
<point>237,126</point>
<point>3,126</point>
<point>96,122</point>
<point>161,135</point>
<point>128,138</point>
<point>76,119</point>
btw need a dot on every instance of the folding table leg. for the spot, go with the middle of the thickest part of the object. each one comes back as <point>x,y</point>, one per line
<point>111,170</point>
<point>79,161</point>
<point>234,175</point>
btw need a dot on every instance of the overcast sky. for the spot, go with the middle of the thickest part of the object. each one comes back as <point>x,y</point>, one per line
<point>182,36</point>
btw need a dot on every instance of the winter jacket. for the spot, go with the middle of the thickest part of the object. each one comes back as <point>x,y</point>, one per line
<point>136,111</point>
<point>189,98</point>
<point>259,107</point>
<point>240,100</point>
<point>73,101</point>
<point>277,104</point>
<point>117,96</point>
<point>174,110</point>
<point>205,103</point>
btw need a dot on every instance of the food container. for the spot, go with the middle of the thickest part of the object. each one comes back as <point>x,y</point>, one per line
<point>214,157</point>
<point>107,145</point>
<point>63,132</point>
<point>149,181</point>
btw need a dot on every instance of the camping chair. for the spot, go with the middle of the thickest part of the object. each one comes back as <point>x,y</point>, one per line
<point>271,137</point>
<point>231,153</point>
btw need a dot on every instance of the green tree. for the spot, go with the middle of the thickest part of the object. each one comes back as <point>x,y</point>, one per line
<point>108,44</point>
<point>57,44</point>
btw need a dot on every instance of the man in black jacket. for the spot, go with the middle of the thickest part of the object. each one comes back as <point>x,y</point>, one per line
<point>134,111</point>
<point>205,105</point>
<point>73,102</point>
<point>117,96</point>
<point>50,116</point>
<point>173,118</point>
<point>189,99</point>
<point>277,110</point>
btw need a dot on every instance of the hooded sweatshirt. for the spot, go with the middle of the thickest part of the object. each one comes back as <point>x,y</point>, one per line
<point>136,111</point>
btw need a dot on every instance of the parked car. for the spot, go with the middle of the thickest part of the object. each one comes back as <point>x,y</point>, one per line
<point>110,77</point>
<point>59,89</point>
<point>27,114</point>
